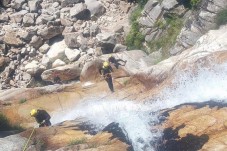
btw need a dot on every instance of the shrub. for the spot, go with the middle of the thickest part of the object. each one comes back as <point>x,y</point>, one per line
<point>22,100</point>
<point>194,3</point>
<point>5,125</point>
<point>221,18</point>
<point>77,141</point>
<point>135,39</point>
<point>173,27</point>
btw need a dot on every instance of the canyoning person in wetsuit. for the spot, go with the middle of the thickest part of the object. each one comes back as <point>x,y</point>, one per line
<point>106,71</point>
<point>115,61</point>
<point>41,117</point>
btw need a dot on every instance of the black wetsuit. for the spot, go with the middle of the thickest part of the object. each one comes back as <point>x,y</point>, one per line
<point>116,61</point>
<point>43,118</point>
<point>106,73</point>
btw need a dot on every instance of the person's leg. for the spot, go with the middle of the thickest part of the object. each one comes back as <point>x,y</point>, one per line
<point>110,83</point>
<point>47,123</point>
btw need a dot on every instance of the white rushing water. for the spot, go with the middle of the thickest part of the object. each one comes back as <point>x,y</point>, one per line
<point>138,120</point>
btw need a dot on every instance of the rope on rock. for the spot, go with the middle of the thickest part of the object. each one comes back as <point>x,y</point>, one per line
<point>26,145</point>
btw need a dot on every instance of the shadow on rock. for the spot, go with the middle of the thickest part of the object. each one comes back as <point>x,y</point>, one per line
<point>172,142</point>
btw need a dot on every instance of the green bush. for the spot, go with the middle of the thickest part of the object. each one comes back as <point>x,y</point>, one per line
<point>142,2</point>
<point>135,39</point>
<point>173,27</point>
<point>77,141</point>
<point>23,100</point>
<point>221,18</point>
<point>194,3</point>
<point>5,125</point>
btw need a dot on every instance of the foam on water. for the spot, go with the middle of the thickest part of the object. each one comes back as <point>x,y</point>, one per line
<point>138,120</point>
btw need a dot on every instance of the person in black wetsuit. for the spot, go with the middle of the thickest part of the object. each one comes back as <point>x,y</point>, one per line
<point>41,117</point>
<point>115,61</point>
<point>106,71</point>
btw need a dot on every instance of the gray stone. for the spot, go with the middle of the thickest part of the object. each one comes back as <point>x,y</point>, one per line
<point>5,2</point>
<point>65,73</point>
<point>46,61</point>
<point>119,48</point>
<point>66,22</point>
<point>10,38</point>
<point>107,42</point>
<point>79,11</point>
<point>57,51</point>
<point>17,17</point>
<point>71,40</point>
<point>169,4</point>
<point>4,18</point>
<point>94,30</point>
<point>18,4</point>
<point>50,32</point>
<point>34,68</point>
<point>36,42</point>
<point>58,63</point>
<point>95,7</point>
<point>26,35</point>
<point>68,29</point>
<point>12,143</point>
<point>65,3</point>
<point>72,54</point>
<point>34,5</point>
<point>44,48</point>
<point>26,77</point>
<point>29,19</point>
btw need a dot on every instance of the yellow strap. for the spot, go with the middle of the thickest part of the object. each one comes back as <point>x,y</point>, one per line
<point>25,147</point>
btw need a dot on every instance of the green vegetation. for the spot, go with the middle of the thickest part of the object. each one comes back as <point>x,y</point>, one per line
<point>135,39</point>
<point>77,141</point>
<point>173,27</point>
<point>194,3</point>
<point>221,18</point>
<point>23,100</point>
<point>5,125</point>
<point>142,2</point>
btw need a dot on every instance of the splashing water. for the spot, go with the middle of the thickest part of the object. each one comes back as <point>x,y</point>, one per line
<point>138,120</point>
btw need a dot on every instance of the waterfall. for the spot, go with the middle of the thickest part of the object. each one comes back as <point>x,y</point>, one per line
<point>138,119</point>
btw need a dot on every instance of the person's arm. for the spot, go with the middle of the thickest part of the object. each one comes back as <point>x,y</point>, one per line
<point>111,69</point>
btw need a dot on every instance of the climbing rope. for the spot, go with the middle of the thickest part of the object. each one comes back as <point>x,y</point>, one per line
<point>26,145</point>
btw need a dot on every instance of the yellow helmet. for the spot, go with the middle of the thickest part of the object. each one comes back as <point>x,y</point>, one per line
<point>105,64</point>
<point>33,112</point>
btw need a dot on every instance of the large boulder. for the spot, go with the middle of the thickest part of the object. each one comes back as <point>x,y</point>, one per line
<point>3,62</point>
<point>5,2</point>
<point>50,32</point>
<point>107,42</point>
<point>58,63</point>
<point>34,68</point>
<point>34,5</point>
<point>4,18</point>
<point>14,142</point>
<point>72,54</point>
<point>57,51</point>
<point>169,4</point>
<point>18,4</point>
<point>36,42</point>
<point>10,38</point>
<point>29,19</point>
<point>18,16</point>
<point>95,7</point>
<point>80,11</point>
<point>209,48</point>
<point>65,73</point>
<point>71,40</point>
<point>90,71</point>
